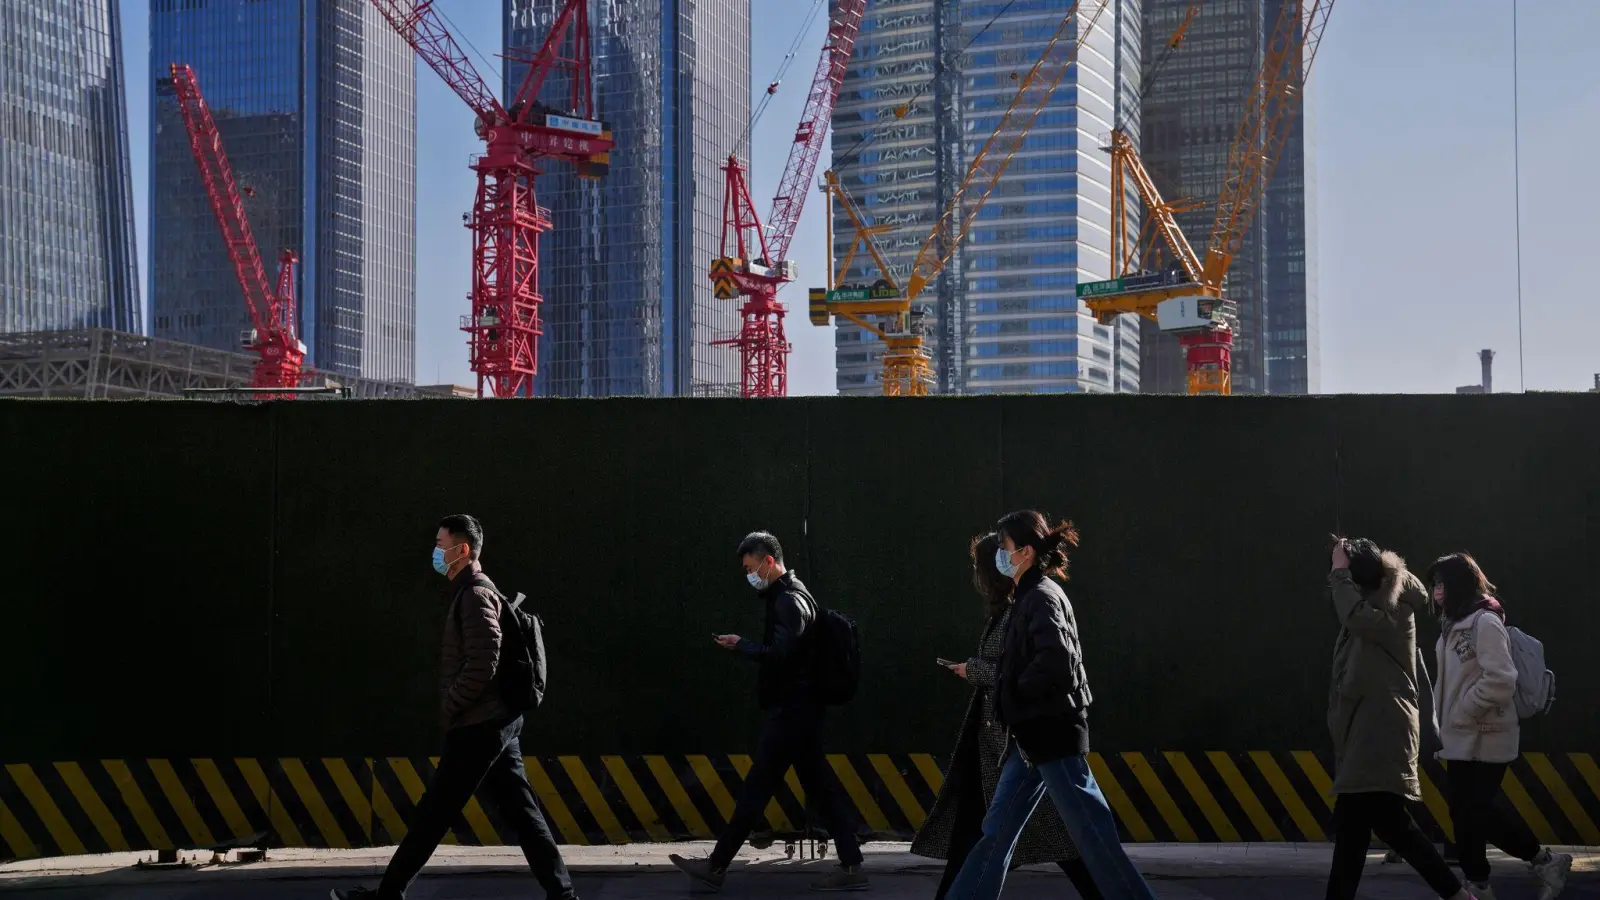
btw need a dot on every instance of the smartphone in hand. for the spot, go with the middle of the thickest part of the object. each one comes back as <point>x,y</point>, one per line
<point>945,662</point>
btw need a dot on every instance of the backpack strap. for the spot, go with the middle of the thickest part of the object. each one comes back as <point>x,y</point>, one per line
<point>478,580</point>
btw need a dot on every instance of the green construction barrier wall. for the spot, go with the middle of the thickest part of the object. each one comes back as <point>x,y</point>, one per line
<point>210,580</point>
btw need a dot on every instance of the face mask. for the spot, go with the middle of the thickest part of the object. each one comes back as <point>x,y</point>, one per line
<point>757,582</point>
<point>439,565</point>
<point>1002,561</point>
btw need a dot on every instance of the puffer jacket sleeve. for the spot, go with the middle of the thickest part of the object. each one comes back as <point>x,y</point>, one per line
<point>480,649</point>
<point>1496,685</point>
<point>1053,662</point>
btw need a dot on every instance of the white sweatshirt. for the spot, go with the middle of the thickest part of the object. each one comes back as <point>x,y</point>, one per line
<point>1474,696</point>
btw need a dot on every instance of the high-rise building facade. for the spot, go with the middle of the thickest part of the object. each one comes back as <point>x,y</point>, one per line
<point>929,82</point>
<point>628,307</point>
<point>316,104</point>
<point>67,257</point>
<point>1192,111</point>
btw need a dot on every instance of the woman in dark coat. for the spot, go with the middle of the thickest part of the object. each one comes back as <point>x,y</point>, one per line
<point>956,822</point>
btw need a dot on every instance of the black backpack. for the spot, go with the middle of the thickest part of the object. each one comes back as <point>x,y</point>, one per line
<point>522,672</point>
<point>838,659</point>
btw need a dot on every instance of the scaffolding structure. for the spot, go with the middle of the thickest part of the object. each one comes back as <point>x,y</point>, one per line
<point>101,364</point>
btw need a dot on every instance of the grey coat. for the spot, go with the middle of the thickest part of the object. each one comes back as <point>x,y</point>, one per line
<point>1372,694</point>
<point>1045,837</point>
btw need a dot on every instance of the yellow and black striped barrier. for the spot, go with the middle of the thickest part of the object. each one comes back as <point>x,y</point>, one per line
<point>70,808</point>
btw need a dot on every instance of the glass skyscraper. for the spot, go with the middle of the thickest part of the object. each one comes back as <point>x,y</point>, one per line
<point>1191,114</point>
<point>1003,315</point>
<point>316,104</point>
<point>628,307</point>
<point>67,258</point>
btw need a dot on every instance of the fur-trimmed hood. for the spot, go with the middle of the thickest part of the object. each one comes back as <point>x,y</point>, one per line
<point>1399,585</point>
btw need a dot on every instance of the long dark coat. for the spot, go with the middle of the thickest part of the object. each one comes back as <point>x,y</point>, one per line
<point>1045,839</point>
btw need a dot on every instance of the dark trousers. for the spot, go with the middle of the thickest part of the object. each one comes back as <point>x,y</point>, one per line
<point>791,736</point>
<point>968,830</point>
<point>490,754</point>
<point>1474,788</point>
<point>1357,817</point>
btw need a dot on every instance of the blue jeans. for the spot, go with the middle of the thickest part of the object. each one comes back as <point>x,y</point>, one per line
<point>1083,808</point>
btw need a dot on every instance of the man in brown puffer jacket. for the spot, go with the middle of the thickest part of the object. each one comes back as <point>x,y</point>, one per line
<point>482,742</point>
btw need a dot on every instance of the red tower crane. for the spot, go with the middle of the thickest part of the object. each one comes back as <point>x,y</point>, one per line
<point>503,329</point>
<point>271,308</point>
<point>763,349</point>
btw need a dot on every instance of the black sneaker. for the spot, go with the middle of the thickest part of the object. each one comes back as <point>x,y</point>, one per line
<point>701,871</point>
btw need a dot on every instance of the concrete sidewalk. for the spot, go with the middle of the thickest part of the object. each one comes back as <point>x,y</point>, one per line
<point>1176,869</point>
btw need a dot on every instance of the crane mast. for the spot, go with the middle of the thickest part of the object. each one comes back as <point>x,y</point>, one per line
<point>271,307</point>
<point>763,347</point>
<point>503,328</point>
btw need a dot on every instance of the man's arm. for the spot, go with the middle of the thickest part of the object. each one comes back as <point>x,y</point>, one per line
<point>480,649</point>
<point>786,633</point>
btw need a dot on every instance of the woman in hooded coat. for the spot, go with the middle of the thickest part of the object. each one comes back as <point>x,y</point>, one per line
<point>1372,717</point>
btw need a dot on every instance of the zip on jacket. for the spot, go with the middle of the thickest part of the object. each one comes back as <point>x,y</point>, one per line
<point>1474,695</point>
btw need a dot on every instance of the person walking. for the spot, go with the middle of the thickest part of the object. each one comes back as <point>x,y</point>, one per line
<point>1043,698</point>
<point>482,741</point>
<point>956,822</point>
<point>1478,726</point>
<point>786,657</point>
<point>1372,717</point>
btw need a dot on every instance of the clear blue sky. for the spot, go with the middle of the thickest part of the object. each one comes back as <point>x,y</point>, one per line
<point>1413,112</point>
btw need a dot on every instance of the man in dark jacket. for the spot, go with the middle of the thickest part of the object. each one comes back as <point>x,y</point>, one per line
<point>482,742</point>
<point>792,735</point>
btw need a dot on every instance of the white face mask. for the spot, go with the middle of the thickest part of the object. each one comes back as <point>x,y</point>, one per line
<point>1002,561</point>
<point>756,581</point>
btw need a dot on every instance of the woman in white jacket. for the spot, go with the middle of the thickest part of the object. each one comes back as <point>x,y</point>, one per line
<point>1478,726</point>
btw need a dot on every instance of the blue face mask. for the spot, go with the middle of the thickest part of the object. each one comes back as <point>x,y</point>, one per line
<point>1002,561</point>
<point>439,565</point>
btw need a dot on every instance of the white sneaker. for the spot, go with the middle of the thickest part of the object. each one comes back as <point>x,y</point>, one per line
<point>1552,869</point>
<point>1481,890</point>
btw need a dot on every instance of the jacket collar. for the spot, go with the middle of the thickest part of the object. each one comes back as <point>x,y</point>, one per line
<point>1030,580</point>
<point>780,584</point>
<point>466,576</point>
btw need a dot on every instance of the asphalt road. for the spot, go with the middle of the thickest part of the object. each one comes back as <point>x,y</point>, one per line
<point>654,884</point>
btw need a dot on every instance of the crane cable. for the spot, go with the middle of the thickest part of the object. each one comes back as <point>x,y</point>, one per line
<point>777,78</point>
<point>1516,167</point>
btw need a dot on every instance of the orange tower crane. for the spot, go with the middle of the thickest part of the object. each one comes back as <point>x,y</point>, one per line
<point>271,306</point>
<point>763,348</point>
<point>1192,304</point>
<point>504,328</point>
